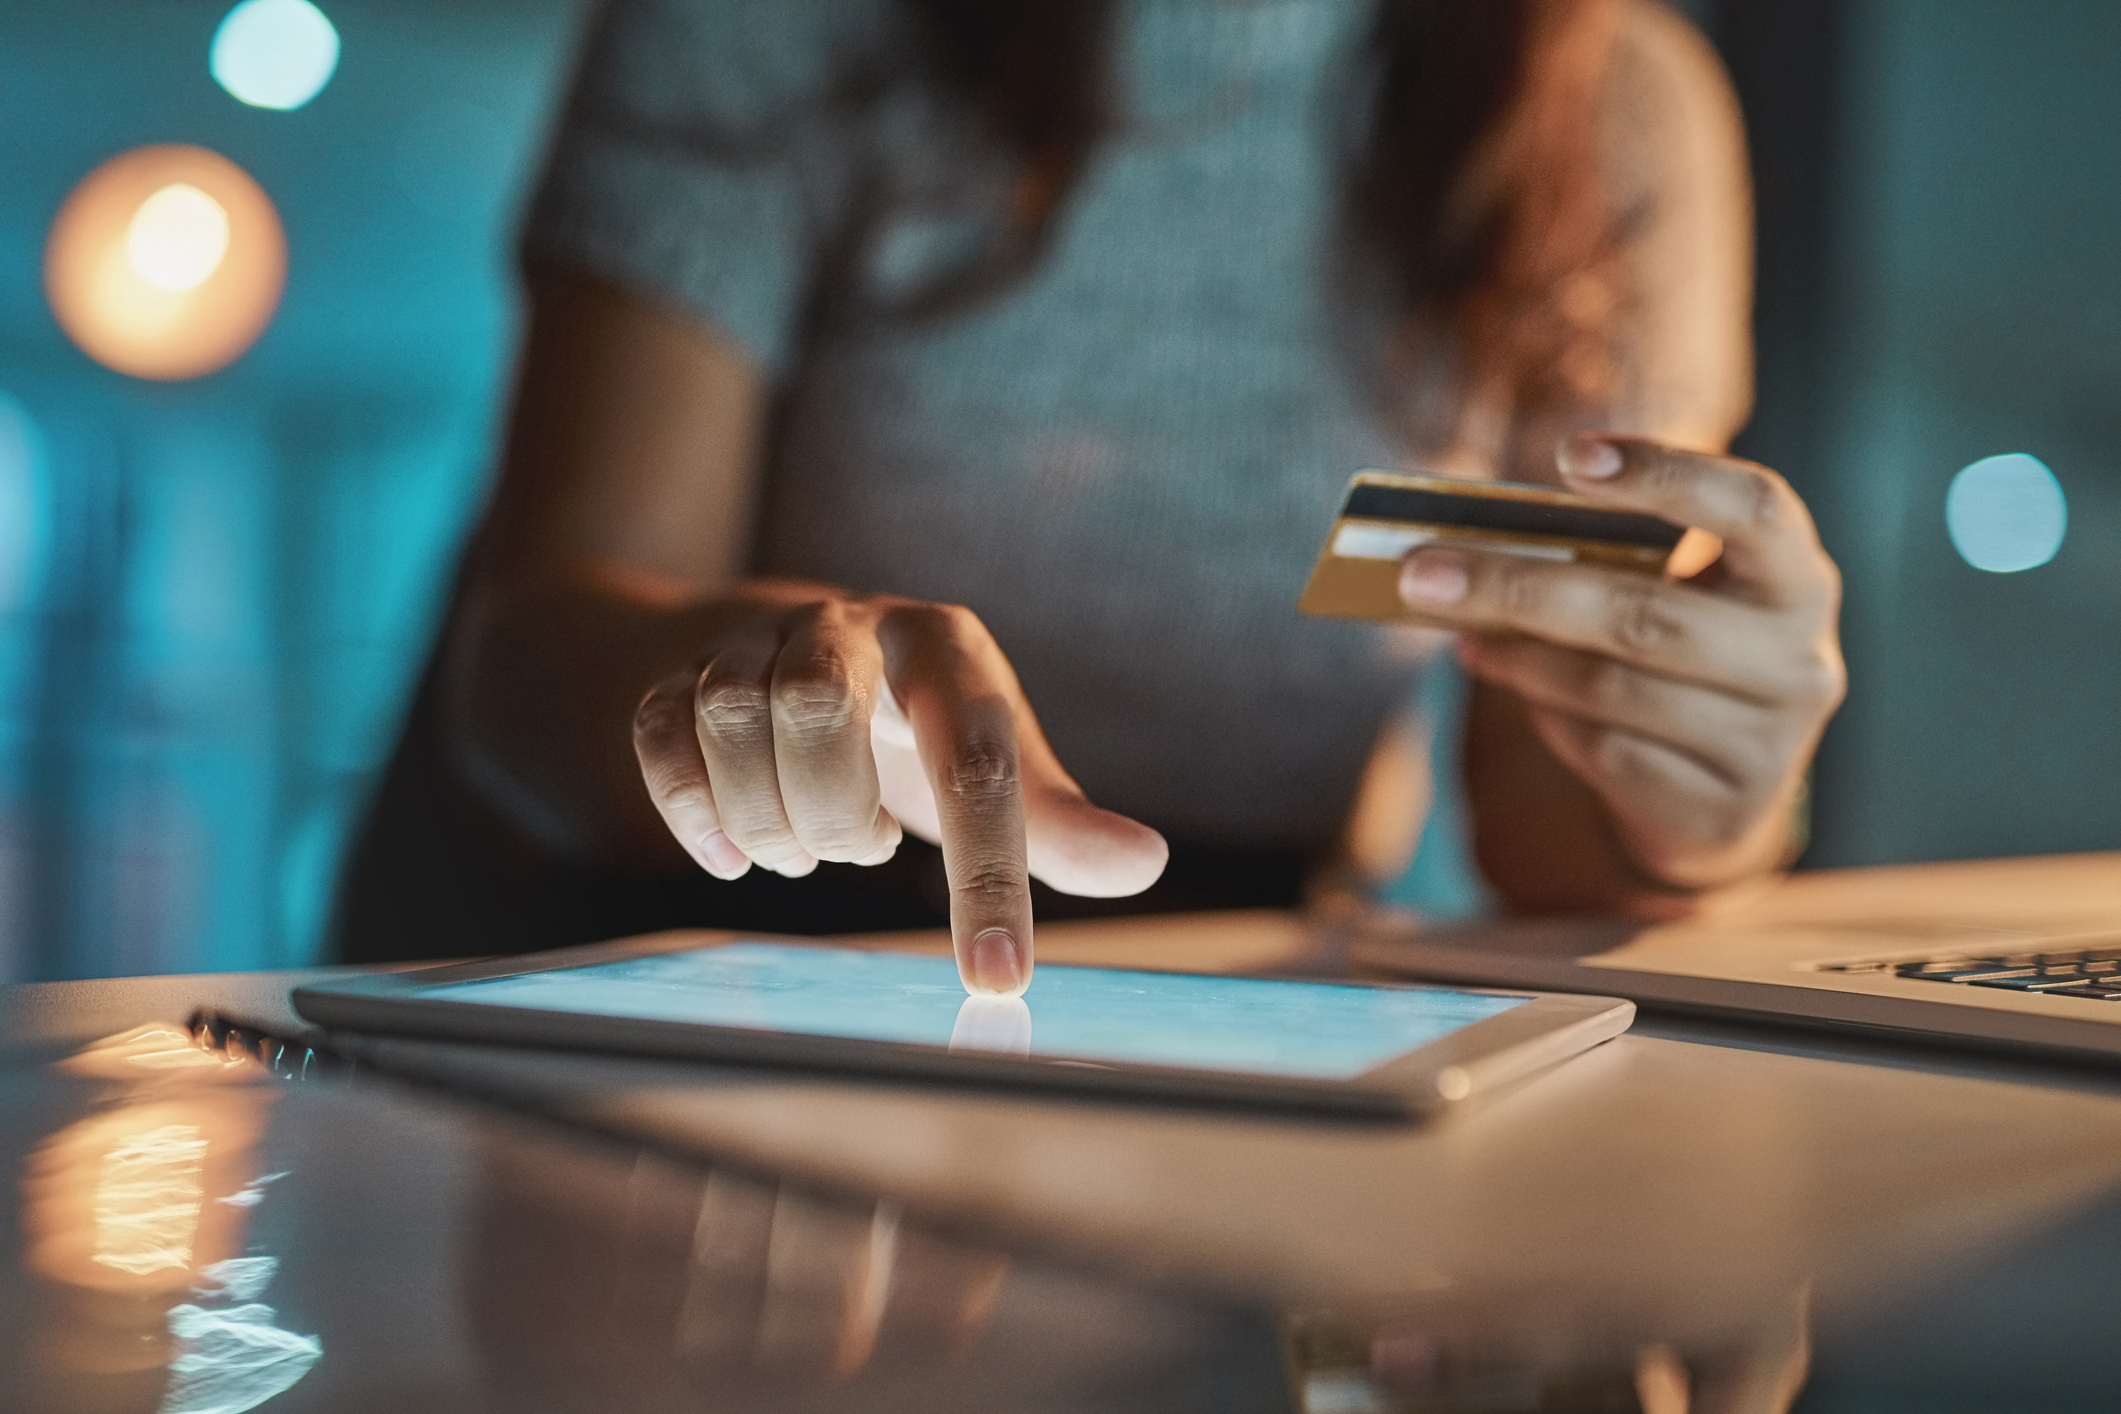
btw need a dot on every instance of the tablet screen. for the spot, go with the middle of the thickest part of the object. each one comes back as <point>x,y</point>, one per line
<point>1308,1030</point>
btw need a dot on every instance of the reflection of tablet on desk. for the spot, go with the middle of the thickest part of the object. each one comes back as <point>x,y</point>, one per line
<point>1364,1049</point>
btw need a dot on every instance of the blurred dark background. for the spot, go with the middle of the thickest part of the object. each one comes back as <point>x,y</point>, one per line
<point>214,593</point>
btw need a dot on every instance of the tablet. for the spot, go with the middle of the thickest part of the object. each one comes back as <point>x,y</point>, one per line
<point>1381,1050</point>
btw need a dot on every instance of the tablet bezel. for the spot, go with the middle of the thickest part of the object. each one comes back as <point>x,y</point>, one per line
<point>1545,1029</point>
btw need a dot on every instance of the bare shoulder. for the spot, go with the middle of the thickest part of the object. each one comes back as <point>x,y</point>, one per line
<point>1676,161</point>
<point>1672,119</point>
<point>1666,75</point>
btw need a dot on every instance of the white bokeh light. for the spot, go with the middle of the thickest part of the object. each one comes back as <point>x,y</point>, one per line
<point>2006,513</point>
<point>275,53</point>
<point>177,238</point>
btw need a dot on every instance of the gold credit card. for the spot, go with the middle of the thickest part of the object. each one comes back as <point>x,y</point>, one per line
<point>1389,513</point>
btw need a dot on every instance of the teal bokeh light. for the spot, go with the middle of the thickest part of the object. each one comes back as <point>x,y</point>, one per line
<point>24,527</point>
<point>2006,513</point>
<point>275,54</point>
<point>214,599</point>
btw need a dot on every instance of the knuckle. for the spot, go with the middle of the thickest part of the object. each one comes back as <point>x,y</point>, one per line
<point>839,824</point>
<point>1762,500</point>
<point>959,619</point>
<point>989,884</point>
<point>951,624</point>
<point>1662,473</point>
<point>1830,580</point>
<point>818,697</point>
<point>929,620</point>
<point>838,838</point>
<point>983,771</point>
<point>1642,621</point>
<point>840,619</point>
<point>1519,591</point>
<point>758,825</point>
<point>676,784</point>
<point>1822,681</point>
<point>658,717</point>
<point>729,710</point>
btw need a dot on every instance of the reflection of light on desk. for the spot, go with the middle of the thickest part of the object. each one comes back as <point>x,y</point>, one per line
<point>146,1287</point>
<point>994,1024</point>
<point>148,1199</point>
<point>118,1203</point>
<point>166,262</point>
<point>233,1360</point>
<point>274,53</point>
<point>118,1200</point>
<point>149,1048</point>
<point>2006,513</point>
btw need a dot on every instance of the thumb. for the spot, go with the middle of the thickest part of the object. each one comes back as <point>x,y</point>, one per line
<point>1076,848</point>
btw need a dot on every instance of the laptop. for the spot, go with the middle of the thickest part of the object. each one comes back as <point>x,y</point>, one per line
<point>2014,955</point>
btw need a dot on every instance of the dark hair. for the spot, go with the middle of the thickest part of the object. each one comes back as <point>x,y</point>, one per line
<point>1473,189</point>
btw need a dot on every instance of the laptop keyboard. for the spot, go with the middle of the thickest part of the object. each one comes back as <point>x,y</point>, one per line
<point>2094,972</point>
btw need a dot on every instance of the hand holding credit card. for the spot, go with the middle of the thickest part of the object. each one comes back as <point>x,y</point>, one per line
<point>1687,697</point>
<point>1387,514</point>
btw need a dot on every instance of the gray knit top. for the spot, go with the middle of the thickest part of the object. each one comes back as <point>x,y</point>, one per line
<point>1124,460</point>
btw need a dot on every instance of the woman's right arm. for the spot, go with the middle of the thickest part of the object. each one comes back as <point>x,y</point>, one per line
<point>613,682</point>
<point>627,489</point>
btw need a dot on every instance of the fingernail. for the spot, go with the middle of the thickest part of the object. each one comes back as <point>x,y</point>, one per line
<point>882,856</point>
<point>720,856</point>
<point>1589,458</point>
<point>797,867</point>
<point>1432,579</point>
<point>996,964</point>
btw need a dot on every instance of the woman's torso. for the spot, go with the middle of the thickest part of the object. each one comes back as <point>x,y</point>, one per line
<point>1126,460</point>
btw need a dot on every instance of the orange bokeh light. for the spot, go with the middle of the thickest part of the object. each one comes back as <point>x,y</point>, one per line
<point>161,283</point>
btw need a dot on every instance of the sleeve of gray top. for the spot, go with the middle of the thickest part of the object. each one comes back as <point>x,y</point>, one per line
<point>701,158</point>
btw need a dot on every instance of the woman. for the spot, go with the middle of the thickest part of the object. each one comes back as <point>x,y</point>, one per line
<point>897,367</point>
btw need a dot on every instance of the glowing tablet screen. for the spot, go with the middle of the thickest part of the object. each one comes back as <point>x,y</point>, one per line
<point>1310,1030</point>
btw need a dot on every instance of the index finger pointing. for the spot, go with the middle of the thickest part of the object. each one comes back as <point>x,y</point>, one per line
<point>958,694</point>
<point>1769,543</point>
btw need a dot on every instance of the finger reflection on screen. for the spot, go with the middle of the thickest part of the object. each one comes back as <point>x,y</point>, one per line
<point>993,1024</point>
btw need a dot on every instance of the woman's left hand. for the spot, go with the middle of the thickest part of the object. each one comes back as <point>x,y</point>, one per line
<point>1690,707</point>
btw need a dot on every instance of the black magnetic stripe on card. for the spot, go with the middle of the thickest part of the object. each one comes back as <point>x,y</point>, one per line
<point>1476,512</point>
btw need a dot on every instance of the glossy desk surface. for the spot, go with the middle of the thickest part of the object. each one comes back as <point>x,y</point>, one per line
<point>1690,1217</point>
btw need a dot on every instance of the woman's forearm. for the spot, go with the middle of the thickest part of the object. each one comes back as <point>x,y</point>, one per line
<point>613,548</point>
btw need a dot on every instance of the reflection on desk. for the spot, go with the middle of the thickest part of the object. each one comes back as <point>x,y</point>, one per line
<point>448,1260</point>
<point>997,1025</point>
<point>220,1223</point>
<point>136,1217</point>
<point>594,1276</point>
